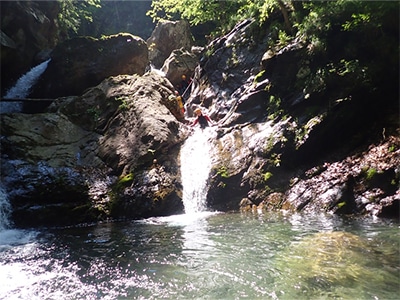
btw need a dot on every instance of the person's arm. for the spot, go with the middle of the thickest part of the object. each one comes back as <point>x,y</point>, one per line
<point>195,122</point>
<point>208,119</point>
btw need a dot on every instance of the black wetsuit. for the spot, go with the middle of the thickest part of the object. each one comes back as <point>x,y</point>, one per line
<point>202,121</point>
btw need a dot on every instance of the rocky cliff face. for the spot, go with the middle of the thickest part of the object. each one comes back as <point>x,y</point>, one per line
<point>110,152</point>
<point>297,129</point>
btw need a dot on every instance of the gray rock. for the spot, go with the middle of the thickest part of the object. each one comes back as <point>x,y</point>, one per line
<point>80,63</point>
<point>166,37</point>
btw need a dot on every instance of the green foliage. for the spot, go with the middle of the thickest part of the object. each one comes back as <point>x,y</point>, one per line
<point>124,181</point>
<point>124,104</point>
<point>371,172</point>
<point>356,21</point>
<point>259,76</point>
<point>267,176</point>
<point>310,20</point>
<point>224,13</point>
<point>276,159</point>
<point>223,172</point>
<point>259,9</point>
<point>274,107</point>
<point>368,172</point>
<point>317,17</point>
<point>283,38</point>
<point>73,12</point>
<point>94,112</point>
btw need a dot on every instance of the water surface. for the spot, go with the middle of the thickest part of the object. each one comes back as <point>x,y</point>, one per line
<point>205,256</point>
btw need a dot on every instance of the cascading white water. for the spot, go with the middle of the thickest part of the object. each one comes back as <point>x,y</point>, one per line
<point>24,84</point>
<point>195,169</point>
<point>157,71</point>
<point>5,210</point>
<point>10,236</point>
<point>22,88</point>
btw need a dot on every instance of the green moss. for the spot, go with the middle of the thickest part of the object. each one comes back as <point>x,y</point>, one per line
<point>274,108</point>
<point>267,176</point>
<point>341,204</point>
<point>124,104</point>
<point>371,173</point>
<point>258,77</point>
<point>368,172</point>
<point>125,180</point>
<point>94,112</point>
<point>223,172</point>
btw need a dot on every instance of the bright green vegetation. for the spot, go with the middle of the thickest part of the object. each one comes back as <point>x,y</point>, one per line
<point>299,17</point>
<point>369,173</point>
<point>225,14</point>
<point>223,172</point>
<point>267,175</point>
<point>125,180</point>
<point>73,12</point>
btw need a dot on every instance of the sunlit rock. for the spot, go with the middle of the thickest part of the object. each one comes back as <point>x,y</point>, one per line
<point>70,160</point>
<point>166,37</point>
<point>180,62</point>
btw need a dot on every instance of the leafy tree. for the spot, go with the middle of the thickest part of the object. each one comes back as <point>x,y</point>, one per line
<point>73,12</point>
<point>224,13</point>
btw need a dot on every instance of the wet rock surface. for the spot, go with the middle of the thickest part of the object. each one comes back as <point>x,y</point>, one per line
<point>295,130</point>
<point>88,157</point>
<point>286,143</point>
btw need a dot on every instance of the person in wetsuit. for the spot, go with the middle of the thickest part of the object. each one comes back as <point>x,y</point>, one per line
<point>203,120</point>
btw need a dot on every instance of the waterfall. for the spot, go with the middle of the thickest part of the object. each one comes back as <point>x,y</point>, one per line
<point>157,71</point>
<point>10,236</point>
<point>5,210</point>
<point>24,84</point>
<point>195,169</point>
<point>22,88</point>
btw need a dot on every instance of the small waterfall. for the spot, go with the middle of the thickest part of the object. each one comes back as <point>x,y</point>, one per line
<point>157,71</point>
<point>5,210</point>
<point>22,88</point>
<point>24,84</point>
<point>195,169</point>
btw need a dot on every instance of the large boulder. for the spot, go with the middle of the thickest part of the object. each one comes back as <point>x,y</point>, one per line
<point>111,152</point>
<point>80,63</point>
<point>180,62</point>
<point>166,37</point>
